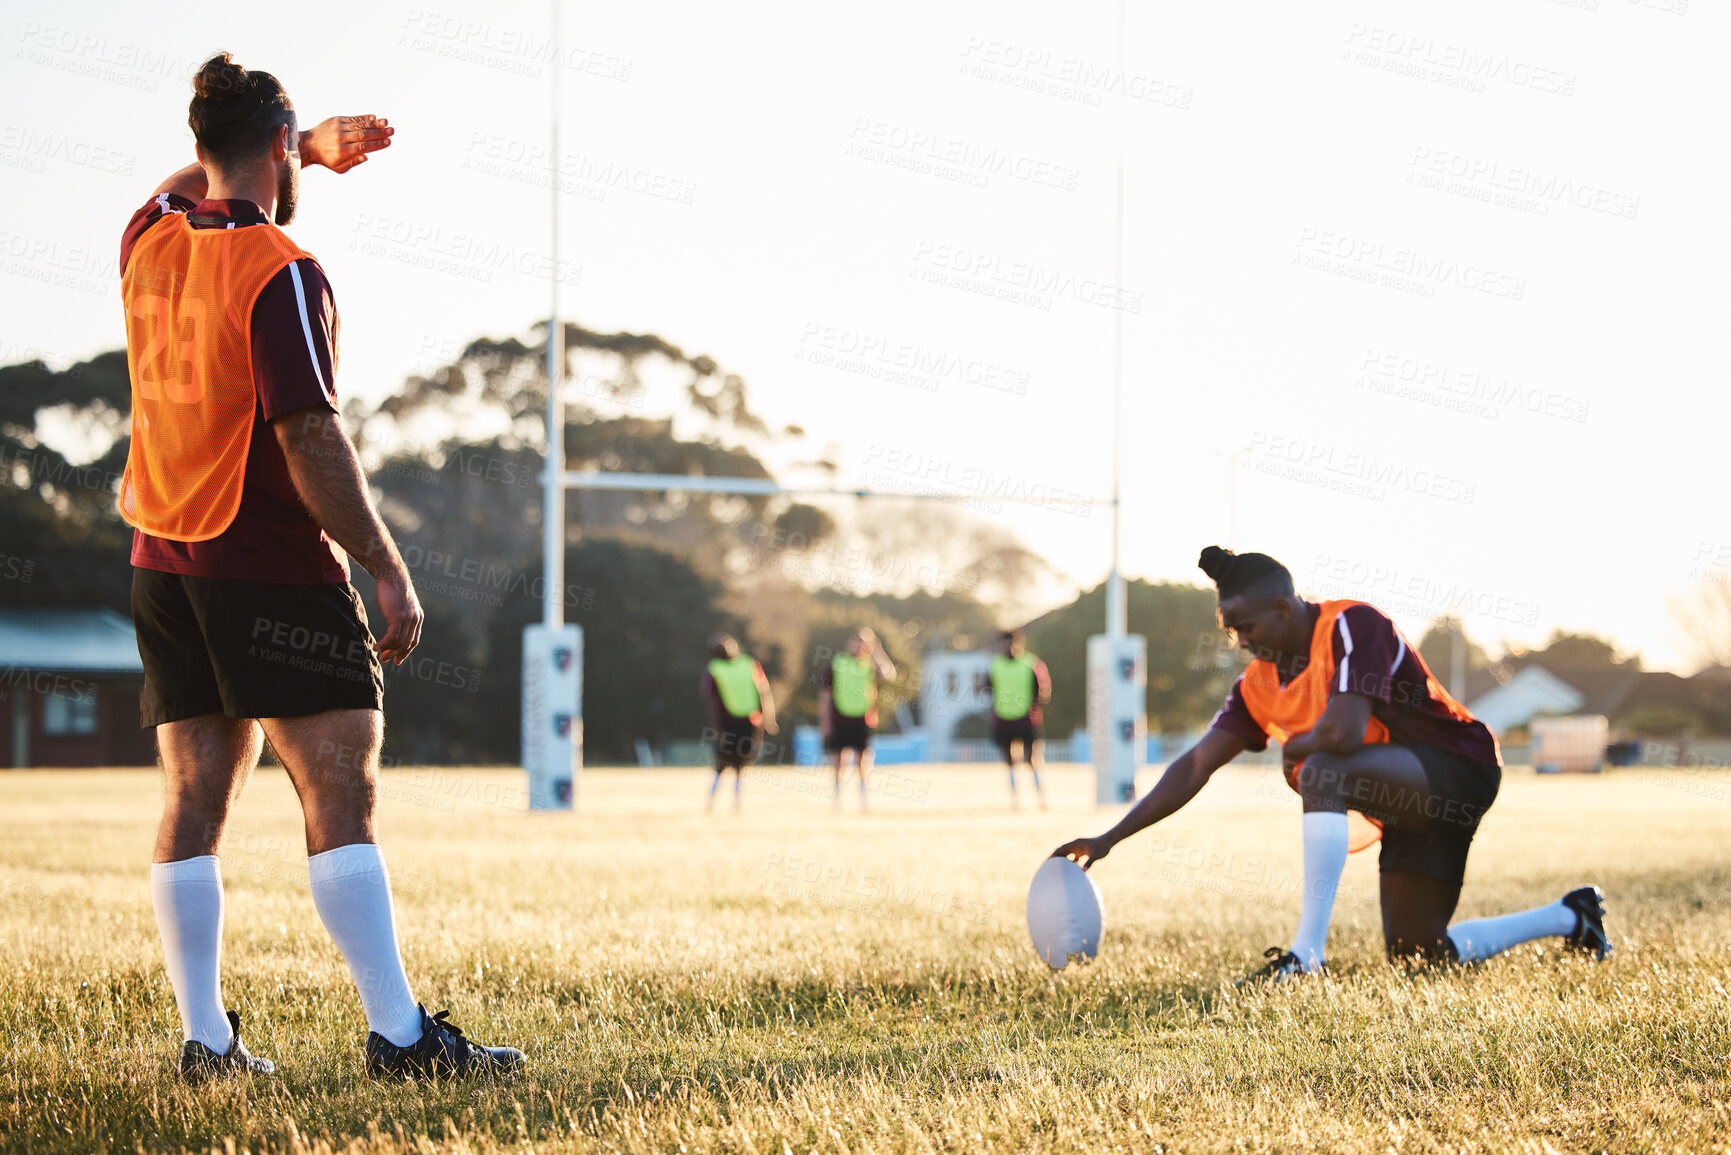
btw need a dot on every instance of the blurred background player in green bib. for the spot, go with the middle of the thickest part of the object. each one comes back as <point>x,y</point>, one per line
<point>741,710</point>
<point>848,704</point>
<point>1020,685</point>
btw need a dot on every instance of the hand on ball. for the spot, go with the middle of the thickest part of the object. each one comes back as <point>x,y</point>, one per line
<point>1085,851</point>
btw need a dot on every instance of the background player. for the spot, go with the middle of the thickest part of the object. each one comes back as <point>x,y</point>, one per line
<point>741,710</point>
<point>1364,726</point>
<point>1020,685</point>
<point>247,499</point>
<point>847,704</point>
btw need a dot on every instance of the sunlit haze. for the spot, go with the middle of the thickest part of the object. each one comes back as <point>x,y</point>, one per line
<point>1441,285</point>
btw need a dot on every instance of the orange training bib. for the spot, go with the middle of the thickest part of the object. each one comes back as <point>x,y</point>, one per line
<point>189,295</point>
<point>1283,711</point>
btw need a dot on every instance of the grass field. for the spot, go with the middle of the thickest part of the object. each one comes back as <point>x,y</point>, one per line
<point>789,981</point>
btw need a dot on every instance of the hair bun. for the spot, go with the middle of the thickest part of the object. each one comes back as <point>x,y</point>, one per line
<point>1215,562</point>
<point>234,112</point>
<point>221,79</point>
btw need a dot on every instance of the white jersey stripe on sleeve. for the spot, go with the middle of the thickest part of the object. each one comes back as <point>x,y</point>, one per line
<point>1399,653</point>
<point>1346,658</point>
<point>306,326</point>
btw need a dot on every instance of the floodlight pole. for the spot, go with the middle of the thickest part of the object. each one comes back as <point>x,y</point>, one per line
<point>553,489</point>
<point>1117,610</point>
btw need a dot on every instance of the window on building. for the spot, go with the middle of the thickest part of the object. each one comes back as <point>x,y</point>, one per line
<point>67,712</point>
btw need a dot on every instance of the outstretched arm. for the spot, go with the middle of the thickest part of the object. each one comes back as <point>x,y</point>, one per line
<point>338,143</point>
<point>327,475</point>
<point>1186,776</point>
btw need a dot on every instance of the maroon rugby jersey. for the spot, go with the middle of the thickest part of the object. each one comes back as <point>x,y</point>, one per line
<point>1372,658</point>
<point>294,323</point>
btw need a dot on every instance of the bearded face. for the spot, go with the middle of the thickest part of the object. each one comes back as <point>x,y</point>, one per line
<point>288,184</point>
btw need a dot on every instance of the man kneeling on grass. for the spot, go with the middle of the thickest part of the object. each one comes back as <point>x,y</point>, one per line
<point>247,500</point>
<point>1367,730</point>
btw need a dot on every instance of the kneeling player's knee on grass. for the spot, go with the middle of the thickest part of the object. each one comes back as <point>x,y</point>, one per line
<point>1423,948</point>
<point>1443,950</point>
<point>1420,935</point>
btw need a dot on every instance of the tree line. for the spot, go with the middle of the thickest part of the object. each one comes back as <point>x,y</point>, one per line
<point>454,460</point>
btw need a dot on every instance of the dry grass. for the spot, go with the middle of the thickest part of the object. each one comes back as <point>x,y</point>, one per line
<point>790,981</point>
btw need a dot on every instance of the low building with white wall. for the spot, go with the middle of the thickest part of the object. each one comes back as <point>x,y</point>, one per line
<point>952,690</point>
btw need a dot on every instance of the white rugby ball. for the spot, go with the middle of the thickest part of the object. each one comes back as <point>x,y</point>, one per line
<point>1064,916</point>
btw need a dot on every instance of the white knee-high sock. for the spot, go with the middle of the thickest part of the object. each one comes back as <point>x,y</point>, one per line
<point>1480,938</point>
<point>1325,843</point>
<point>187,896</point>
<point>352,890</point>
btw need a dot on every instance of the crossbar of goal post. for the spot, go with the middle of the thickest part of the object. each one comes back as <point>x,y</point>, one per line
<point>765,487</point>
<point>553,656</point>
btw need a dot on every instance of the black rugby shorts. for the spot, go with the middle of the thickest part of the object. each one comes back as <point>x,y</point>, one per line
<point>251,649</point>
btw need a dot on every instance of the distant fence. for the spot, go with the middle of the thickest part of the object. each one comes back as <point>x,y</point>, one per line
<point>806,749</point>
<point>1686,753</point>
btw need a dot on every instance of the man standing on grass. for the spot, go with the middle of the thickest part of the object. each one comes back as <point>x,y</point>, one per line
<point>1020,686</point>
<point>847,704</point>
<point>741,710</point>
<point>246,495</point>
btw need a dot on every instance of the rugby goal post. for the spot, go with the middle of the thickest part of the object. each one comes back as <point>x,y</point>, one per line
<point>552,703</point>
<point>552,715</point>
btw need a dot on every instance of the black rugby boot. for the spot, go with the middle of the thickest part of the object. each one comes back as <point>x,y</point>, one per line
<point>1588,903</point>
<point>198,1062</point>
<point>1281,966</point>
<point>442,1051</point>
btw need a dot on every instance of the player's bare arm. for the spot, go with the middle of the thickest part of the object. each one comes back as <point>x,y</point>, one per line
<point>711,700</point>
<point>327,475</point>
<point>1340,730</point>
<point>342,143</point>
<point>766,702</point>
<point>1181,782</point>
<point>190,182</point>
<point>338,143</point>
